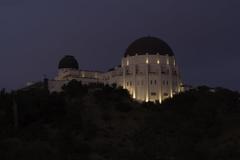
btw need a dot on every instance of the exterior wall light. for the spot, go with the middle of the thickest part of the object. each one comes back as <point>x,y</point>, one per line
<point>147,61</point>
<point>167,61</point>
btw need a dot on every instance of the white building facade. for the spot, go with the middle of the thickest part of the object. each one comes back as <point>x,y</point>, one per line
<point>148,71</point>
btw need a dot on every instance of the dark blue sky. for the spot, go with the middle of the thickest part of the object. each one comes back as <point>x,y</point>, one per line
<point>34,35</point>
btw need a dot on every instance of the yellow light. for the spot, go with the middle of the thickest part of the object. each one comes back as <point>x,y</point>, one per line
<point>127,62</point>
<point>160,98</point>
<point>147,61</point>
<point>158,62</point>
<point>167,61</point>
<point>134,95</point>
<point>147,98</point>
<point>171,94</point>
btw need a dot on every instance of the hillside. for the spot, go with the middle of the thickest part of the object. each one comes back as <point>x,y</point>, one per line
<point>103,123</point>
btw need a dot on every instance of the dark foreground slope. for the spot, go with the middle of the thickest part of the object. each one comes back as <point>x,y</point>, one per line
<point>104,123</point>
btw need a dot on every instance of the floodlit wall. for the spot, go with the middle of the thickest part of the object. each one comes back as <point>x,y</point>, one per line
<point>146,77</point>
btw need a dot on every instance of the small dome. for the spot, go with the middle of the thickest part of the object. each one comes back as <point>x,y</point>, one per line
<point>68,62</point>
<point>150,45</point>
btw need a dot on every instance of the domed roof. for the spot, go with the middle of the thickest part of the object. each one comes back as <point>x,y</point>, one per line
<point>150,45</point>
<point>68,62</point>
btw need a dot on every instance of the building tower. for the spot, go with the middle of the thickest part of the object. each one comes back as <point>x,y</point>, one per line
<point>150,72</point>
<point>68,67</point>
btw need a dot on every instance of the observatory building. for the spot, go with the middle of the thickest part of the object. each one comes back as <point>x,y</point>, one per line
<point>148,71</point>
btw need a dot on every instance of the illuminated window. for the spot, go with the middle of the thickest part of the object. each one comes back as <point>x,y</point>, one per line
<point>147,61</point>
<point>127,62</point>
<point>167,61</point>
<point>153,93</point>
<point>166,94</point>
<point>158,62</point>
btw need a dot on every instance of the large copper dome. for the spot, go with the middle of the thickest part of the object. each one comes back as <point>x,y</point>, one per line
<point>150,45</point>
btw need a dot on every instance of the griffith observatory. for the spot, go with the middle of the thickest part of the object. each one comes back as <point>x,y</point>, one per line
<point>148,71</point>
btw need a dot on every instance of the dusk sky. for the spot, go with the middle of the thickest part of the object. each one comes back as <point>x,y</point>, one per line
<point>36,34</point>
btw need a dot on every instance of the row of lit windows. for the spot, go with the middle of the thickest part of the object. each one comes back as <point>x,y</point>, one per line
<point>154,94</point>
<point>141,71</point>
<point>152,82</point>
<point>158,62</point>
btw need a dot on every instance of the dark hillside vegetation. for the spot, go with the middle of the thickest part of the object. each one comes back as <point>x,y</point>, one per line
<point>99,122</point>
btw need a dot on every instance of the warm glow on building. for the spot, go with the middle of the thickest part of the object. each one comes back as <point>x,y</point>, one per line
<point>83,74</point>
<point>134,94</point>
<point>160,99</point>
<point>140,73</point>
<point>147,99</point>
<point>147,61</point>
